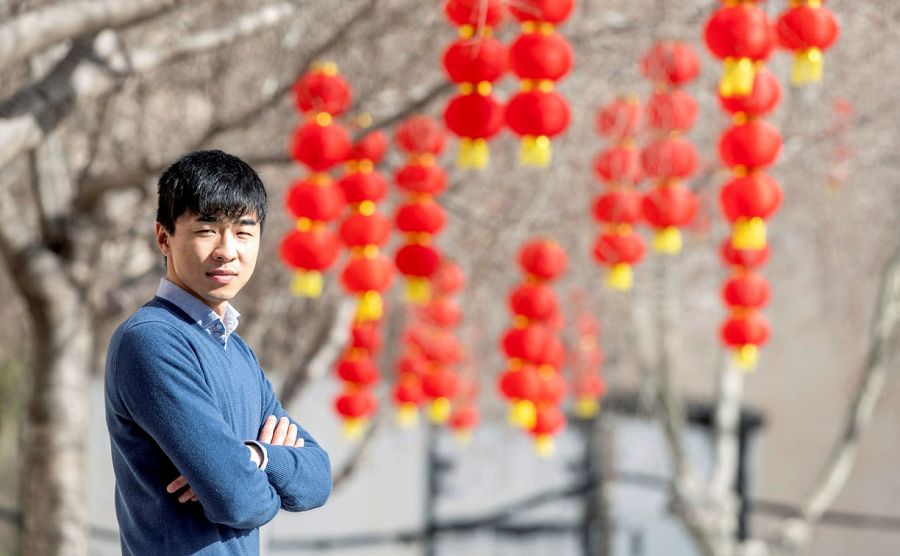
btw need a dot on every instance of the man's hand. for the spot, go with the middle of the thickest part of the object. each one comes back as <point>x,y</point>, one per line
<point>280,432</point>
<point>277,432</point>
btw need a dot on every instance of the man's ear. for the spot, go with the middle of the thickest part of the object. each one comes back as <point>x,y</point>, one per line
<point>162,239</point>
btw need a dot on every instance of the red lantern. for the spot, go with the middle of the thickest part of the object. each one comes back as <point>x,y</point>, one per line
<point>538,56</point>
<point>619,164</point>
<point>549,421</point>
<point>550,11</point>
<point>519,384</point>
<point>474,116</point>
<point>356,405</point>
<point>620,206</point>
<point>671,157</point>
<point>420,217</point>
<point>315,199</point>
<point>747,258</point>
<point>441,383</point>
<point>672,111</point>
<point>551,388</point>
<point>537,117</point>
<point>371,147</point>
<point>754,144</point>
<point>322,90</point>
<point>671,205</point>
<point>668,208</point>
<point>762,100</point>
<point>420,261</point>
<point>363,186</point>
<point>620,251</point>
<point>809,30</point>
<point>412,364</point>
<point>740,35</point>
<point>620,119</point>
<point>442,312</point>
<point>320,147</point>
<point>360,230</point>
<point>358,370</point>
<point>745,333</point>
<point>365,274</point>
<point>419,178</point>
<point>746,290</point>
<point>475,13</point>
<point>449,278</point>
<point>543,259</point>
<point>671,63</point>
<point>464,418</point>
<point>314,249</point>
<point>752,196</point>
<point>528,344</point>
<point>536,302</point>
<point>420,135</point>
<point>365,336</point>
<point>475,60</point>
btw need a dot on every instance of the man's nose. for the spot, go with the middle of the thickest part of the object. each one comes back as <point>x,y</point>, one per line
<point>226,249</point>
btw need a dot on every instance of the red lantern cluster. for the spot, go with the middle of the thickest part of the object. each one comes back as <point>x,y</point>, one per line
<point>747,200</point>
<point>358,373</point>
<point>588,384</point>
<point>745,294</point>
<point>425,370</point>
<point>475,61</point>
<point>420,217</point>
<point>539,57</point>
<point>741,35</point>
<point>319,143</point>
<point>670,158</point>
<point>618,208</point>
<point>808,29</point>
<point>533,382</point>
<point>365,230</point>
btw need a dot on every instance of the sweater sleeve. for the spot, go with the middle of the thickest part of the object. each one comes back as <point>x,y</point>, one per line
<point>301,476</point>
<point>159,380</point>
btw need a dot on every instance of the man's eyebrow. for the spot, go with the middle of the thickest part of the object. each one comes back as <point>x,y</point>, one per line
<point>208,218</point>
<point>246,221</point>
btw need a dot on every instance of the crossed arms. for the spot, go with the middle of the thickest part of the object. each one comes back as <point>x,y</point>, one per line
<point>172,402</point>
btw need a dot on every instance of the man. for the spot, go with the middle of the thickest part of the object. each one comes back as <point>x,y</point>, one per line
<point>202,451</point>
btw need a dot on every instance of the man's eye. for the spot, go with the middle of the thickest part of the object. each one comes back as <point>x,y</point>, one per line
<point>245,235</point>
<point>205,231</point>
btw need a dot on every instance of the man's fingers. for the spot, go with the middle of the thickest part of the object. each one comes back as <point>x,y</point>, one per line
<point>186,495</point>
<point>291,435</point>
<point>265,433</point>
<point>176,484</point>
<point>281,431</point>
<point>300,442</point>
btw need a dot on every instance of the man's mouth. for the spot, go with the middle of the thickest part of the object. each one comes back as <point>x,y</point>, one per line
<point>222,276</point>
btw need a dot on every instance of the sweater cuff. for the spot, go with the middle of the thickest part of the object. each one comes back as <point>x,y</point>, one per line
<point>281,466</point>
<point>262,449</point>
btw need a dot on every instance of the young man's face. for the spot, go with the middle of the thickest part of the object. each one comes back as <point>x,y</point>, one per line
<point>211,258</point>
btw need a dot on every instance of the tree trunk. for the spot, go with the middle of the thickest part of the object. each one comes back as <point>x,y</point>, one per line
<point>55,503</point>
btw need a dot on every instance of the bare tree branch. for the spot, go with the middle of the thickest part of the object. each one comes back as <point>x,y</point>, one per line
<point>26,118</point>
<point>797,531</point>
<point>726,447</point>
<point>35,30</point>
<point>94,186</point>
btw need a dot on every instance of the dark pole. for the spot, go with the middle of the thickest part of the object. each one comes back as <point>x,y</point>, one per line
<point>435,466</point>
<point>595,533</point>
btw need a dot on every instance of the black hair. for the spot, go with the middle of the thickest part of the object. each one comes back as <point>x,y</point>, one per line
<point>211,184</point>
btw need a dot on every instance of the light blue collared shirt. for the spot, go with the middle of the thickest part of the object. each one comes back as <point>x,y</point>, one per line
<point>218,328</point>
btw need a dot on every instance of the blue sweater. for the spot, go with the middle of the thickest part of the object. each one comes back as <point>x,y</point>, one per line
<point>177,403</point>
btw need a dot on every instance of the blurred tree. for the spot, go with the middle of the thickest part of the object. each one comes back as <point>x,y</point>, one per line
<point>97,97</point>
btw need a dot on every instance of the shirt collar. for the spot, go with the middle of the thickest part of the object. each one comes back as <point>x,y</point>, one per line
<point>199,312</point>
